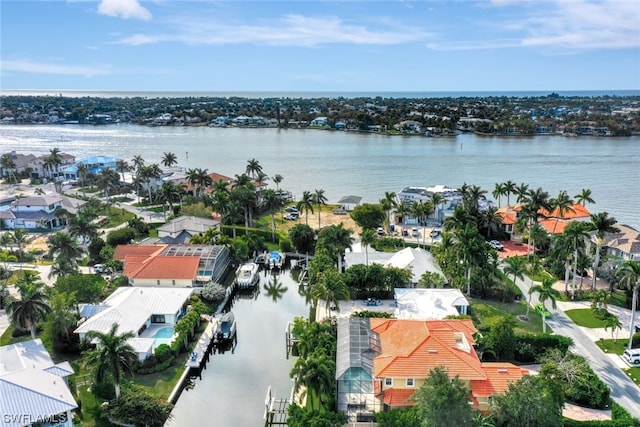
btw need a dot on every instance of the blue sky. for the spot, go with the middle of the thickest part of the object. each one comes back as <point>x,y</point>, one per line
<point>465,45</point>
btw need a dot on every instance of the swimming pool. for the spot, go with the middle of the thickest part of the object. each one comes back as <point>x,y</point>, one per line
<point>164,333</point>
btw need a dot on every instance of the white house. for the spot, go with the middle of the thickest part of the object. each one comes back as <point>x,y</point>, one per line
<point>38,211</point>
<point>319,121</point>
<point>349,203</point>
<point>33,390</point>
<point>184,227</point>
<point>428,303</point>
<point>143,311</point>
<point>625,243</point>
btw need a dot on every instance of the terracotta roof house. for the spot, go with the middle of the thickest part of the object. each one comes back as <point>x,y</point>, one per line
<point>183,266</point>
<point>33,389</point>
<point>553,222</point>
<point>143,311</point>
<point>382,362</point>
<point>624,244</point>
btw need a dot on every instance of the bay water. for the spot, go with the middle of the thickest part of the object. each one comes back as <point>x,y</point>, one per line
<point>367,165</point>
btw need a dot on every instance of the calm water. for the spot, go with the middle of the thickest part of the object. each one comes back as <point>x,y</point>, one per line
<point>234,385</point>
<point>345,163</point>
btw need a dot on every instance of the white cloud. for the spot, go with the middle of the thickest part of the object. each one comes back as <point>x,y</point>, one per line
<point>290,30</point>
<point>43,68</point>
<point>124,9</point>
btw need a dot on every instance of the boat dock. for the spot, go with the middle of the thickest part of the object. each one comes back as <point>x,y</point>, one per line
<point>201,353</point>
<point>275,410</point>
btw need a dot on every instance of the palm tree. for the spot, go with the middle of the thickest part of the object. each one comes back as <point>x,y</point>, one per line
<point>584,197</point>
<point>82,173</point>
<point>629,274</point>
<point>63,267</point>
<point>560,206</point>
<point>600,224</point>
<point>147,173</point>
<point>546,292</point>
<point>614,323</point>
<point>277,178</point>
<point>108,180</point>
<point>204,180</point>
<point>458,220</point>
<point>510,188</point>
<point>192,177</point>
<point>388,203</point>
<point>367,237</point>
<point>168,194</point>
<point>271,202</point>
<point>319,199</point>
<point>306,204</point>
<point>330,288</point>
<point>113,356</point>
<point>516,265</point>
<point>499,190</point>
<point>26,312</point>
<point>576,233</point>
<point>491,219</point>
<point>83,227</point>
<point>53,161</point>
<point>138,162</point>
<point>63,245</point>
<point>336,239</point>
<point>122,166</point>
<point>20,239</point>
<point>169,159</point>
<point>470,247</point>
<point>253,167</point>
<point>522,192</point>
<point>315,372</point>
<point>61,318</point>
<point>437,200</point>
<point>8,165</point>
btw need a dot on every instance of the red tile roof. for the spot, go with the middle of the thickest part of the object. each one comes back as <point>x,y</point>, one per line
<point>578,211</point>
<point>167,267</point>
<point>398,396</point>
<point>122,251</point>
<point>499,376</point>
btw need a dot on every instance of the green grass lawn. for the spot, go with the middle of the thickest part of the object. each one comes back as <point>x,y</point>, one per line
<point>485,313</point>
<point>161,384</point>
<point>17,275</point>
<point>634,374</point>
<point>117,216</point>
<point>609,346</point>
<point>583,317</point>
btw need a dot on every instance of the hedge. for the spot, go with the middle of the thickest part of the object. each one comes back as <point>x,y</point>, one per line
<point>531,347</point>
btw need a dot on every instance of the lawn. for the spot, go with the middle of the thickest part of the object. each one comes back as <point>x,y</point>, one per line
<point>485,313</point>
<point>583,317</point>
<point>634,374</point>
<point>117,216</point>
<point>609,346</point>
<point>161,384</point>
<point>17,275</point>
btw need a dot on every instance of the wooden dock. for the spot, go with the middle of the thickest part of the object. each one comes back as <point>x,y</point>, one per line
<point>201,353</point>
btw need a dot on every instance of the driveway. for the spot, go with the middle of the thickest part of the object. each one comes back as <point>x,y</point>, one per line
<point>623,390</point>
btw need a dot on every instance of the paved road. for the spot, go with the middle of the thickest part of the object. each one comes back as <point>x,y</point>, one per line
<point>623,390</point>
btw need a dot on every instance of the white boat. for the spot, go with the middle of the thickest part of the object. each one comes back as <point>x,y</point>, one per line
<point>226,330</point>
<point>248,276</point>
<point>276,259</point>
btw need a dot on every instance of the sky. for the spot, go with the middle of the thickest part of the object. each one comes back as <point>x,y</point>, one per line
<point>314,45</point>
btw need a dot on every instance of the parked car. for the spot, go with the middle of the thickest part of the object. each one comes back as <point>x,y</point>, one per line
<point>632,356</point>
<point>380,231</point>
<point>414,232</point>
<point>291,216</point>
<point>434,233</point>
<point>542,311</point>
<point>291,209</point>
<point>496,245</point>
<point>99,268</point>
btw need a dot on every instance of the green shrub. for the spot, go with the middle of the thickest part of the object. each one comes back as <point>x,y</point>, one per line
<point>285,245</point>
<point>162,352</point>
<point>122,236</point>
<point>535,346</point>
<point>103,390</point>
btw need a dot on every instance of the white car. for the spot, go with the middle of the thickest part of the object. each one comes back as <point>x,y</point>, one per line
<point>292,216</point>
<point>632,356</point>
<point>496,245</point>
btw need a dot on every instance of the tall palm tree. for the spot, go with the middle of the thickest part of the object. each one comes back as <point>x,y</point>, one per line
<point>336,239</point>
<point>600,224</point>
<point>148,173</point>
<point>253,167</point>
<point>53,161</point>
<point>113,356</point>
<point>560,206</point>
<point>576,233</point>
<point>629,274</point>
<point>168,194</point>
<point>204,180</point>
<point>277,178</point>
<point>458,220</point>
<point>192,177</point>
<point>19,237</point>
<point>388,203</point>
<point>491,219</point>
<point>138,162</point>
<point>122,166</point>
<point>8,166</point>
<point>61,318</point>
<point>32,307</point>
<point>584,197</point>
<point>107,180</point>
<point>319,199</point>
<point>516,265</point>
<point>169,159</point>
<point>367,237</point>
<point>331,288</point>
<point>81,226</point>
<point>470,247</point>
<point>315,373</point>
<point>546,292</point>
<point>63,267</point>
<point>82,172</point>
<point>499,190</point>
<point>614,323</point>
<point>522,192</point>
<point>510,188</point>
<point>305,204</point>
<point>271,202</point>
<point>437,200</point>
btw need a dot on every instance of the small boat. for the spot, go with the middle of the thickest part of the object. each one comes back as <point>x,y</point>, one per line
<point>248,276</point>
<point>276,259</point>
<point>226,329</point>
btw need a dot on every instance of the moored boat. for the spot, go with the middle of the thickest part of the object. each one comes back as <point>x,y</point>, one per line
<point>276,259</point>
<point>248,276</point>
<point>226,330</point>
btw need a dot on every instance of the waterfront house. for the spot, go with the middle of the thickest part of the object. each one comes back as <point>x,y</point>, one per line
<point>429,303</point>
<point>320,122</point>
<point>39,212</point>
<point>624,243</point>
<point>94,165</point>
<point>380,363</point>
<point>553,222</point>
<point>34,391</point>
<point>349,203</point>
<point>144,311</point>
<point>173,265</point>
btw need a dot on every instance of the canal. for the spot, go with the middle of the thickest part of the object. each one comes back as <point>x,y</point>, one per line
<point>234,385</point>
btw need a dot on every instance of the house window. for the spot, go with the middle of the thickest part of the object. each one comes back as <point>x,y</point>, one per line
<point>158,282</point>
<point>388,381</point>
<point>157,318</point>
<point>173,282</point>
<point>409,382</point>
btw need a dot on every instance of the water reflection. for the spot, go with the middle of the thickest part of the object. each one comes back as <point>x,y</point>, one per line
<point>235,382</point>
